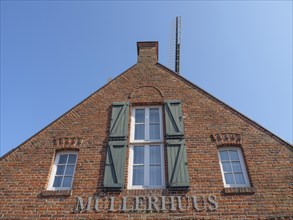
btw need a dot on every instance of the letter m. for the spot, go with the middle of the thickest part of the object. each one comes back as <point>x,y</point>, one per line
<point>80,207</point>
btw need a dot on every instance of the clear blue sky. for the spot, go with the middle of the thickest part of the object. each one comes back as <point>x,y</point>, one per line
<point>56,53</point>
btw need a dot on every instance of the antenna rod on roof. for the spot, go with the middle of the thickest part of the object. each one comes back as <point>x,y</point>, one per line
<point>177,44</point>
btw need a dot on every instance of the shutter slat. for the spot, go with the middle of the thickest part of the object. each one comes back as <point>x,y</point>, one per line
<point>116,151</point>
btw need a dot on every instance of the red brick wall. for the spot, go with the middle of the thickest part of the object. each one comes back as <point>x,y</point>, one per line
<point>25,171</point>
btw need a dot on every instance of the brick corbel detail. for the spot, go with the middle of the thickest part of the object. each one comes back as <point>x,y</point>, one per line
<point>226,139</point>
<point>67,143</point>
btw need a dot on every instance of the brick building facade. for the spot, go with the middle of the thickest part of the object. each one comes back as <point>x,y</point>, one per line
<point>149,145</point>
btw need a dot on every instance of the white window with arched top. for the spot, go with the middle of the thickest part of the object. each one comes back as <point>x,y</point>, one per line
<point>233,167</point>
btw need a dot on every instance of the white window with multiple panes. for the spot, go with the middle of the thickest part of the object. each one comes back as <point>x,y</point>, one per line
<point>146,159</point>
<point>233,167</point>
<point>63,171</point>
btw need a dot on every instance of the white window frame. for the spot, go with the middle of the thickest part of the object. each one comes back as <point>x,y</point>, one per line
<point>146,168</point>
<point>243,167</point>
<point>54,170</point>
<point>146,130</point>
<point>146,143</point>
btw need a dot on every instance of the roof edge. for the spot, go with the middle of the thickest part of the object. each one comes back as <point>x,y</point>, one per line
<point>34,135</point>
<point>253,123</point>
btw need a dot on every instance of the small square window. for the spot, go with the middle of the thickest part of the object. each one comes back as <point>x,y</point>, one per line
<point>233,168</point>
<point>63,171</point>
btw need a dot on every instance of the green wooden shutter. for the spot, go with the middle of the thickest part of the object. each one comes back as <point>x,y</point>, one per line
<point>119,121</point>
<point>174,119</point>
<point>115,165</point>
<point>176,150</point>
<point>177,164</point>
<point>116,151</point>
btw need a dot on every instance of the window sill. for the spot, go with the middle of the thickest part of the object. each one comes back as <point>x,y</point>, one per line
<point>239,190</point>
<point>48,193</point>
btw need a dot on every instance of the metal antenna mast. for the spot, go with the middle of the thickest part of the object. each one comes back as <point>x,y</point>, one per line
<point>177,44</point>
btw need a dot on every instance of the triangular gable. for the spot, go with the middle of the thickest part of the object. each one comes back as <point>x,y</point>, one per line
<point>208,95</point>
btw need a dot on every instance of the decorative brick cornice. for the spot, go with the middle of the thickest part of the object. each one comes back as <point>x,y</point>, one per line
<point>226,139</point>
<point>68,143</point>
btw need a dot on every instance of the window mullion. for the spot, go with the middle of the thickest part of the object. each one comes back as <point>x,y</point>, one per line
<point>162,164</point>
<point>160,124</point>
<point>147,124</point>
<point>147,162</point>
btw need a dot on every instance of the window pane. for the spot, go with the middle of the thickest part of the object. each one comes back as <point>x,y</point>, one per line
<point>138,157</point>
<point>67,181</point>
<point>69,170</point>
<point>139,132</point>
<point>60,170</point>
<point>236,166</point>
<point>72,158</point>
<point>224,155</point>
<point>154,115</point>
<point>138,174</point>
<point>233,155</point>
<point>154,131</point>
<point>139,116</point>
<point>155,175</point>
<point>57,181</point>
<point>239,178</point>
<point>63,159</point>
<point>226,166</point>
<point>229,178</point>
<point>155,154</point>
